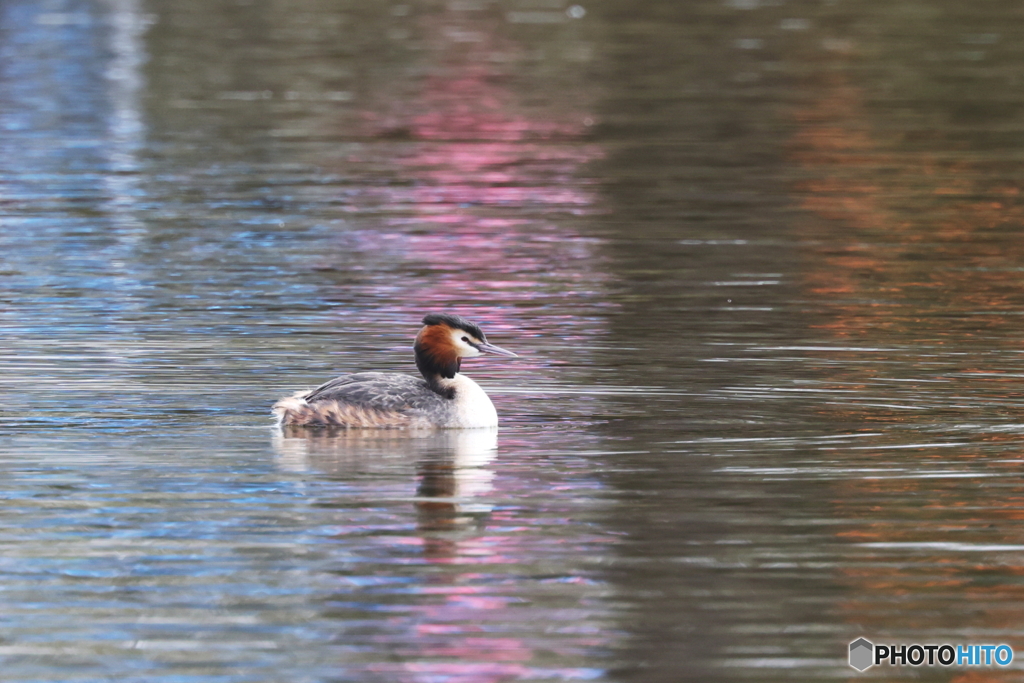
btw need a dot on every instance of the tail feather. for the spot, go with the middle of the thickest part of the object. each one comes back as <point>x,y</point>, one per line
<point>294,410</point>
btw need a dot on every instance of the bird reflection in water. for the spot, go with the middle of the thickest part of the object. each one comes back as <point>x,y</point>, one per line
<point>450,467</point>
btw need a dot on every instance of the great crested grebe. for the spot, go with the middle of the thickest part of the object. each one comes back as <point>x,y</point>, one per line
<point>443,399</point>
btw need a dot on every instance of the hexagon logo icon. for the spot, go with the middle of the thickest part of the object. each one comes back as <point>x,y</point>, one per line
<point>862,654</point>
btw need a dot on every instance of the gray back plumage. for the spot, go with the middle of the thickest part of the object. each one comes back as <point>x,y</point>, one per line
<point>385,391</point>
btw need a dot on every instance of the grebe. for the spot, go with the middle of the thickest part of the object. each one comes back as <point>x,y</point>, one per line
<point>443,399</point>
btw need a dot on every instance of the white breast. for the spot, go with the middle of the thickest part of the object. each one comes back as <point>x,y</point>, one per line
<point>473,408</point>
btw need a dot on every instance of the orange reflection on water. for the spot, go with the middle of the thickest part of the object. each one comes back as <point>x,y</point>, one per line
<point>913,248</point>
<point>910,232</point>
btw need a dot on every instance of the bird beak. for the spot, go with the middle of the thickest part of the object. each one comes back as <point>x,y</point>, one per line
<point>496,350</point>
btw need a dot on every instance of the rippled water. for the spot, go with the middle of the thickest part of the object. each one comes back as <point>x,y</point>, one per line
<point>762,263</point>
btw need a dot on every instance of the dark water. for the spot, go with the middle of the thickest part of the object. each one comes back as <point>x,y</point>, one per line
<point>762,261</point>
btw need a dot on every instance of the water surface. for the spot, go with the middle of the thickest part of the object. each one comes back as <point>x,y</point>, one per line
<point>761,262</point>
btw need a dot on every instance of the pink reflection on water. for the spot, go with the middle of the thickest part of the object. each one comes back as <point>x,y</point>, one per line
<point>469,635</point>
<point>477,207</point>
<point>480,182</point>
<point>469,100</point>
<point>488,673</point>
<point>475,588</point>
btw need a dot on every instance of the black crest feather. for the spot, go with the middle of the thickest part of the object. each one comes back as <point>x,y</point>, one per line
<point>455,321</point>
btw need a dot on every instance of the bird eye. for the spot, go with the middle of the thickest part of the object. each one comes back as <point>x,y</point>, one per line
<point>465,339</point>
